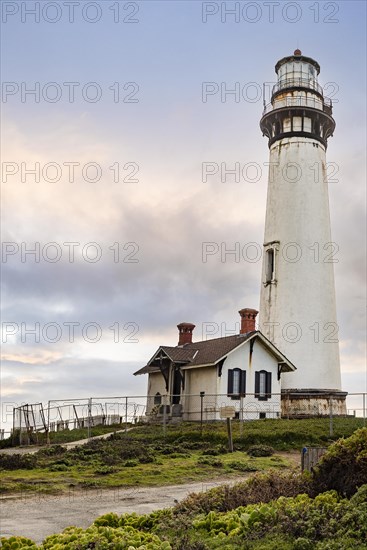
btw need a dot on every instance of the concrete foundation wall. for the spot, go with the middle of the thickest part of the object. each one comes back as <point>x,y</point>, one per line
<point>294,405</point>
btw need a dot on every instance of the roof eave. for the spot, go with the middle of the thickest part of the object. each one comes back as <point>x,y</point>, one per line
<point>188,367</point>
<point>285,367</point>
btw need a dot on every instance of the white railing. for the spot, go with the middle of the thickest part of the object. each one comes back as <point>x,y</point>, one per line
<point>300,101</point>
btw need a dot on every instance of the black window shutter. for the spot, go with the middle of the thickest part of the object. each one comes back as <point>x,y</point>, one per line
<point>268,384</point>
<point>243,383</point>
<point>257,384</point>
<point>230,382</point>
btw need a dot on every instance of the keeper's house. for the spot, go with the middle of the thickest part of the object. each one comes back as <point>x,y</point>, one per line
<point>242,371</point>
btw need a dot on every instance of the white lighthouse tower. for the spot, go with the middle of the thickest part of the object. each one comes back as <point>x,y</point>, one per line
<point>297,301</point>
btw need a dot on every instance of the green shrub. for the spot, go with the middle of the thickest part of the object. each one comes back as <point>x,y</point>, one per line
<point>131,463</point>
<point>18,461</point>
<point>147,458</point>
<point>210,461</point>
<point>258,488</point>
<point>301,518</point>
<point>260,450</point>
<point>241,466</point>
<point>58,468</point>
<point>90,484</point>
<point>303,544</point>
<point>340,543</point>
<point>17,543</point>
<point>324,522</point>
<point>211,452</point>
<point>104,538</point>
<point>168,449</point>
<point>53,450</point>
<point>105,470</point>
<point>344,465</point>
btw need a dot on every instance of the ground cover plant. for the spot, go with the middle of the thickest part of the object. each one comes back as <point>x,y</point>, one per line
<point>326,522</point>
<point>266,512</point>
<point>127,460</point>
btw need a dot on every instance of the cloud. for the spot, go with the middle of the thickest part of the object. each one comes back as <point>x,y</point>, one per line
<point>169,213</point>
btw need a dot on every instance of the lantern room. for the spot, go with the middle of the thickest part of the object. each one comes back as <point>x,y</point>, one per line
<point>298,107</point>
<point>298,71</point>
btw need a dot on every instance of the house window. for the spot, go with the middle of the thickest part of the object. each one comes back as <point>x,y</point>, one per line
<point>157,399</point>
<point>236,383</point>
<point>262,385</point>
<point>270,265</point>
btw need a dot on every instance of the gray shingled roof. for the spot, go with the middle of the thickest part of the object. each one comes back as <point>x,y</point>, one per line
<point>179,354</point>
<point>207,352</point>
<point>211,351</point>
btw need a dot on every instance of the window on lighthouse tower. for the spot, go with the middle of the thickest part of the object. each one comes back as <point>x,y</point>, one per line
<point>270,275</point>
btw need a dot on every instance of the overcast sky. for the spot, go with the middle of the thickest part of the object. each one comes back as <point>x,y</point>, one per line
<point>117,210</point>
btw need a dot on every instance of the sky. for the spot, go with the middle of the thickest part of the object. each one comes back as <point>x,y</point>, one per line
<point>105,210</point>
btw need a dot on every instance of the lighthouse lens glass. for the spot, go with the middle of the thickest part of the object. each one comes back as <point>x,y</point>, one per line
<point>297,73</point>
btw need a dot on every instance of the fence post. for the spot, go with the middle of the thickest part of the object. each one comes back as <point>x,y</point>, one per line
<point>364,409</point>
<point>164,415</point>
<point>202,393</point>
<point>331,415</point>
<point>230,438</point>
<point>126,400</point>
<point>89,416</point>
<point>13,434</point>
<point>48,423</point>
<point>27,424</point>
<point>20,426</point>
<point>241,415</point>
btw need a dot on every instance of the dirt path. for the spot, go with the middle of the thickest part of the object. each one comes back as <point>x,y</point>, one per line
<point>38,517</point>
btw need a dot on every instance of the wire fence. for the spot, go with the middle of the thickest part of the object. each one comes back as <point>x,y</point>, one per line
<point>32,420</point>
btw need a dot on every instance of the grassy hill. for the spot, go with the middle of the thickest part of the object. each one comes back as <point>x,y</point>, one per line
<point>148,455</point>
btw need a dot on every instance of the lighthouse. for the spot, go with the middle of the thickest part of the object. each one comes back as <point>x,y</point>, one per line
<point>297,298</point>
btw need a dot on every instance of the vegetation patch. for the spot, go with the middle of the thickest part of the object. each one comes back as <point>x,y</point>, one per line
<point>344,466</point>
<point>260,487</point>
<point>242,466</point>
<point>281,434</point>
<point>210,461</point>
<point>17,462</point>
<point>326,522</point>
<point>268,511</point>
<point>260,450</point>
<point>183,453</point>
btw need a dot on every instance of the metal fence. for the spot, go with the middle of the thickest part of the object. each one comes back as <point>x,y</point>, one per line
<point>31,420</point>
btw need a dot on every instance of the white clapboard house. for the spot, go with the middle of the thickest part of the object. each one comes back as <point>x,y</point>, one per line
<point>195,380</point>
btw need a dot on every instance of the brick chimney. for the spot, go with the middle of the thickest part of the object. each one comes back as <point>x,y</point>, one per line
<point>185,333</point>
<point>248,317</point>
